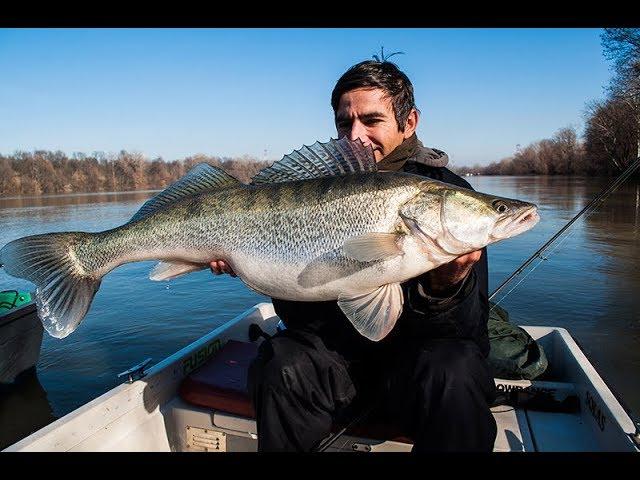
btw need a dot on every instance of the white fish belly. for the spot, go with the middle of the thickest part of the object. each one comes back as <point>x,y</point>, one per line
<point>280,280</point>
<point>322,282</point>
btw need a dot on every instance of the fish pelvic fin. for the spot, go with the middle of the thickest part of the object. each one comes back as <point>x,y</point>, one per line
<point>334,158</point>
<point>64,289</point>
<point>374,314</point>
<point>200,179</point>
<point>170,270</point>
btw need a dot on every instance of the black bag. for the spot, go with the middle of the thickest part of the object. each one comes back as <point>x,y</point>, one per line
<point>514,355</point>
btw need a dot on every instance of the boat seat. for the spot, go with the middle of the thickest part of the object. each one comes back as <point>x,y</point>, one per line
<point>221,384</point>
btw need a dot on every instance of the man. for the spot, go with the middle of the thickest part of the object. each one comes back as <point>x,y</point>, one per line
<point>429,376</point>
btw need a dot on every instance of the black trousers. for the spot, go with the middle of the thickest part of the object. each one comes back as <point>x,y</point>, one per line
<point>437,391</point>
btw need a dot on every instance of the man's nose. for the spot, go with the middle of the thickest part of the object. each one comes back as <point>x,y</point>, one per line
<point>358,131</point>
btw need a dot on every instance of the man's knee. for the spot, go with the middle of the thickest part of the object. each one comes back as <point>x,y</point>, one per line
<point>456,367</point>
<point>303,370</point>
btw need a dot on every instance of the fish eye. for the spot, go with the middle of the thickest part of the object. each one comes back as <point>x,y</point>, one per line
<point>500,206</point>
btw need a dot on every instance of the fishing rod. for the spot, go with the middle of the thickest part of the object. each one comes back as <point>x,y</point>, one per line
<point>589,207</point>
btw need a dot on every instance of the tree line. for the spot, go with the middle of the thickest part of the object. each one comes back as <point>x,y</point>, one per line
<point>611,138</point>
<point>609,142</point>
<point>44,172</point>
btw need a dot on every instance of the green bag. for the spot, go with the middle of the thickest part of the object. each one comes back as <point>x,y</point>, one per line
<point>514,354</point>
<point>10,299</point>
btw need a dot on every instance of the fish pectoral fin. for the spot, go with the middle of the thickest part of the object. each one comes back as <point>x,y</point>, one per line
<point>372,246</point>
<point>374,314</point>
<point>169,270</point>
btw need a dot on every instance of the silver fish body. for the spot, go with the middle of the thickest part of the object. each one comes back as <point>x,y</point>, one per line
<point>352,237</point>
<point>283,240</point>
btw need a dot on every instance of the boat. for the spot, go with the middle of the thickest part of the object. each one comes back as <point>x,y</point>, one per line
<point>20,336</point>
<point>196,401</point>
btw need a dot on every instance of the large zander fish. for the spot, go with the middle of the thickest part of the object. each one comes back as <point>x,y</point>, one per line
<point>320,224</point>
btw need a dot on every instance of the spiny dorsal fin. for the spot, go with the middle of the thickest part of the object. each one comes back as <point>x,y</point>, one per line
<point>203,177</point>
<point>330,159</point>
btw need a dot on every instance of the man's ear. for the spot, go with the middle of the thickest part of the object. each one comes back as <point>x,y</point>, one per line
<point>411,123</point>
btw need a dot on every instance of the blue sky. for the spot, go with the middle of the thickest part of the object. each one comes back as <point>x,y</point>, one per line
<point>231,92</point>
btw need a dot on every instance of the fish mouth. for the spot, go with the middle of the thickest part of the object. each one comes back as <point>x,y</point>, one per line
<point>529,215</point>
<point>526,220</point>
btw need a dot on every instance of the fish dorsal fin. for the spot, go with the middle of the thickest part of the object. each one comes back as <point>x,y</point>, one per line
<point>330,159</point>
<point>201,178</point>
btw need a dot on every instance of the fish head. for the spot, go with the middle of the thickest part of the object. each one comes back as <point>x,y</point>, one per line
<point>513,218</point>
<point>456,220</point>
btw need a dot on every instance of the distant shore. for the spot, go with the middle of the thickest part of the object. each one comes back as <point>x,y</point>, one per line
<point>54,173</point>
<point>50,173</point>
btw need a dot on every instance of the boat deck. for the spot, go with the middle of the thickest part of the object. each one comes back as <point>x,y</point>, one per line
<point>518,430</point>
<point>557,413</point>
<point>540,415</point>
<point>513,433</point>
<point>523,430</point>
<point>570,409</point>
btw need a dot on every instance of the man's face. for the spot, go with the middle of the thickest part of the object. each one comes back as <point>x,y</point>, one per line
<point>366,113</point>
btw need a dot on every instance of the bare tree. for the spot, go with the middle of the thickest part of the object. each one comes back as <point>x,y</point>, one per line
<point>622,47</point>
<point>611,134</point>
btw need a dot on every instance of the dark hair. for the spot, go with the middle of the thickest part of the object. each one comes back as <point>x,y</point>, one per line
<point>383,75</point>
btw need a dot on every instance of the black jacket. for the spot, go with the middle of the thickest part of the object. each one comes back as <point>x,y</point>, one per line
<point>464,314</point>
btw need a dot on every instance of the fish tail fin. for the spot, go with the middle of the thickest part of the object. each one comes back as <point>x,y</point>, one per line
<point>65,288</point>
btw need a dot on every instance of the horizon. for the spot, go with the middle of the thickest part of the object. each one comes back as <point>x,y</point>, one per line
<point>263,92</point>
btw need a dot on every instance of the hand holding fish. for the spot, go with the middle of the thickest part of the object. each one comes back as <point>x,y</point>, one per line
<point>444,277</point>
<point>218,267</point>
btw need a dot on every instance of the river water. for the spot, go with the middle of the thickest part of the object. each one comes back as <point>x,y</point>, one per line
<point>589,284</point>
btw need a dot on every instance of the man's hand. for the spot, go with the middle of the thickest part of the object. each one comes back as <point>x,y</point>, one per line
<point>440,280</point>
<point>218,267</point>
